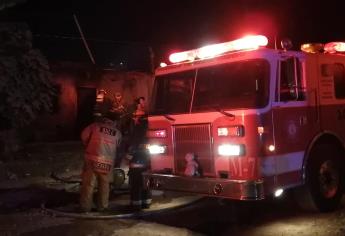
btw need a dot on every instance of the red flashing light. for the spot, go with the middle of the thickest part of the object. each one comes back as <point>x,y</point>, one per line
<point>245,43</point>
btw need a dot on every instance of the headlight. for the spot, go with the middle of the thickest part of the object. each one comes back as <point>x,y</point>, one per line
<point>156,149</point>
<point>231,150</point>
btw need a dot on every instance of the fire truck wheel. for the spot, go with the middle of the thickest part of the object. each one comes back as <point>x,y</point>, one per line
<point>324,180</point>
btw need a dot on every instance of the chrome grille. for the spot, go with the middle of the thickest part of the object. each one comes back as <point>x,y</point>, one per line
<point>195,139</point>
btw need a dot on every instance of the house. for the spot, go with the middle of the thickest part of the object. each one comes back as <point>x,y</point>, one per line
<point>77,82</point>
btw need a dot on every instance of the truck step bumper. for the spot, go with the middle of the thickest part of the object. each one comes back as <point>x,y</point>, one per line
<point>214,187</point>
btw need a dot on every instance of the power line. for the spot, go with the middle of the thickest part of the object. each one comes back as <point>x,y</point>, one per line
<point>84,40</point>
<point>89,39</point>
<point>148,47</point>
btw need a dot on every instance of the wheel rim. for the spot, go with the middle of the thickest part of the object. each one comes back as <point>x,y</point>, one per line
<point>329,179</point>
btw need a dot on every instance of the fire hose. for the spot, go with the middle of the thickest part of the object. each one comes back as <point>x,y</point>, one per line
<point>119,177</point>
<point>126,214</point>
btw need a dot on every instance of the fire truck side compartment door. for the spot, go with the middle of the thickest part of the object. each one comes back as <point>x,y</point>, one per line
<point>332,94</point>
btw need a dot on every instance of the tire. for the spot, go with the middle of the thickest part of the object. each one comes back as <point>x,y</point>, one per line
<point>324,180</point>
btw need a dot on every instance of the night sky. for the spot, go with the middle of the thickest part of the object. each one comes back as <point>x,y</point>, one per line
<point>124,30</point>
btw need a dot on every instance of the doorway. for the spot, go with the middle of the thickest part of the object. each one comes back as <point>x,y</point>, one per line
<point>86,102</point>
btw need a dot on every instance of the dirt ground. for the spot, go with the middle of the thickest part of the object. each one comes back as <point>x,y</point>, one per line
<point>35,223</point>
<point>25,184</point>
<point>41,159</point>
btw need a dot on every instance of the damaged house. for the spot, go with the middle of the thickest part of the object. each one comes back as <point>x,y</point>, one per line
<point>78,81</point>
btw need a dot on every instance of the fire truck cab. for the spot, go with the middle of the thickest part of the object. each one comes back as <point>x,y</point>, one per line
<point>258,121</point>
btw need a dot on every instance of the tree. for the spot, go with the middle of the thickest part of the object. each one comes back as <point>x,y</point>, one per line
<point>9,3</point>
<point>25,86</point>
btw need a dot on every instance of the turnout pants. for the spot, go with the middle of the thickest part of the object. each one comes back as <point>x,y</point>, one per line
<point>140,196</point>
<point>89,180</point>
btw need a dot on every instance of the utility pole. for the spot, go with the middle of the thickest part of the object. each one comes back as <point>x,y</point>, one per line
<point>84,40</point>
<point>152,61</point>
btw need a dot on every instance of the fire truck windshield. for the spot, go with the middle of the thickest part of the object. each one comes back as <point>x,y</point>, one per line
<point>236,85</point>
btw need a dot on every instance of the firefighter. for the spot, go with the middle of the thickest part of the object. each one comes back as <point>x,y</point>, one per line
<point>140,197</point>
<point>120,109</point>
<point>118,105</point>
<point>101,140</point>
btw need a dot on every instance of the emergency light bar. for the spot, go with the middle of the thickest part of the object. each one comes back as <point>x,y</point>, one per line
<point>245,43</point>
<point>312,47</point>
<point>334,47</point>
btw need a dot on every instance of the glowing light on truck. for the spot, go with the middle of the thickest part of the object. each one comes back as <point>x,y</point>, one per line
<point>209,51</point>
<point>162,64</point>
<point>156,149</point>
<point>182,56</point>
<point>278,192</point>
<point>335,47</point>
<point>230,150</point>
<point>312,47</point>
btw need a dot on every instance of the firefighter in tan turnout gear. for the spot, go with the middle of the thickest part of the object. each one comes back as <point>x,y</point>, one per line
<point>101,140</point>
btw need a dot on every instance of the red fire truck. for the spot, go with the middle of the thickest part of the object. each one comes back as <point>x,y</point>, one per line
<point>257,120</point>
